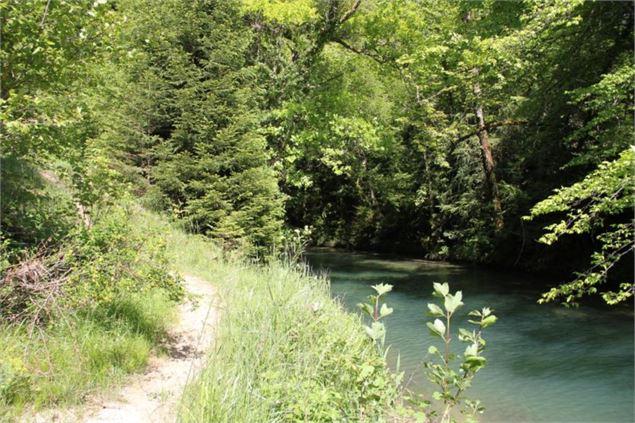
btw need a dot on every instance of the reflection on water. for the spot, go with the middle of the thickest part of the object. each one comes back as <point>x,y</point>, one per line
<point>546,363</point>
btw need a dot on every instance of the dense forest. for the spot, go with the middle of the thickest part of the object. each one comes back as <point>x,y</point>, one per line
<point>492,132</point>
<point>425,127</point>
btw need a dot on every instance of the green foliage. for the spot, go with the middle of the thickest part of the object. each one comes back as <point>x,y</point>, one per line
<point>112,259</point>
<point>198,139</point>
<point>441,372</point>
<point>607,191</point>
<point>81,352</point>
<point>14,380</point>
<point>107,298</point>
<point>375,137</point>
<point>97,265</point>
<point>291,12</point>
<point>33,210</point>
<point>45,52</point>
<point>364,114</point>
<point>610,103</point>
<point>294,245</point>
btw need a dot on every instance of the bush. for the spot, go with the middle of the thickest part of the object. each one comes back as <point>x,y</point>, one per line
<point>114,258</point>
<point>81,315</point>
<point>92,268</point>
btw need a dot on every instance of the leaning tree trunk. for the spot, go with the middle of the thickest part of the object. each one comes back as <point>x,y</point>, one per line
<point>489,167</point>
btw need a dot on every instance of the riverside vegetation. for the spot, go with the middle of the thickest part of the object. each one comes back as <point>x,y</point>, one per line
<point>144,139</point>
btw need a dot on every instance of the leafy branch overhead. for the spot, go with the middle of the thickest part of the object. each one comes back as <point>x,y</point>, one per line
<point>588,205</point>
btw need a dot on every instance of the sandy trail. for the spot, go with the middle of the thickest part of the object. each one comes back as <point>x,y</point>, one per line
<point>154,396</point>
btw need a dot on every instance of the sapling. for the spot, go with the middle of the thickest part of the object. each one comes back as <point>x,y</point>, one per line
<point>452,383</point>
<point>377,311</point>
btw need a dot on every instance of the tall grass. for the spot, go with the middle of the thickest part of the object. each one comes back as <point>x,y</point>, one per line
<point>79,353</point>
<point>113,314</point>
<point>285,351</point>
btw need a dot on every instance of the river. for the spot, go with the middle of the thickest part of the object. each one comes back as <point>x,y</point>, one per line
<point>546,363</point>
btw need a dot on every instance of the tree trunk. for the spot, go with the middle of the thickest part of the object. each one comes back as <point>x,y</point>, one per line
<point>489,167</point>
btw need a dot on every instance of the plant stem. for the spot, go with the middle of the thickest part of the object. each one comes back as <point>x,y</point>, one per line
<point>446,414</point>
<point>446,356</point>
<point>446,359</point>
<point>376,310</point>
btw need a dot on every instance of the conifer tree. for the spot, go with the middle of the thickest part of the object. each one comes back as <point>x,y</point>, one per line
<point>210,159</point>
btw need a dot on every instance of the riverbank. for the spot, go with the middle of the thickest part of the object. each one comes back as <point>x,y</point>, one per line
<point>285,350</point>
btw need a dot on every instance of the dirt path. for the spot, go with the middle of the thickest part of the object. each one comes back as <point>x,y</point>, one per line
<point>154,396</point>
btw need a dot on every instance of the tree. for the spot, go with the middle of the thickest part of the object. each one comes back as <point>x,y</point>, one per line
<point>46,110</point>
<point>204,150</point>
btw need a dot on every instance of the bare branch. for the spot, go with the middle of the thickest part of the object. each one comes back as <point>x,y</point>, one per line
<point>46,11</point>
<point>493,125</point>
<point>351,11</point>
<point>359,51</point>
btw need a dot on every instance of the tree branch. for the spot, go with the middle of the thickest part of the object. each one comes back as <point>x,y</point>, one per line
<point>350,12</point>
<point>359,51</point>
<point>493,125</point>
<point>46,11</point>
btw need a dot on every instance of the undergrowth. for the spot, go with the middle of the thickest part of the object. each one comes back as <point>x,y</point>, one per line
<point>67,333</point>
<point>286,352</point>
<point>79,353</point>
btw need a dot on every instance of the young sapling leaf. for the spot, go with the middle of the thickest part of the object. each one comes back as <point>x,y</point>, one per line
<point>440,289</point>
<point>434,310</point>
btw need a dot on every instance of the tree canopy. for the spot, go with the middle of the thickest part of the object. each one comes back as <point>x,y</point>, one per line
<point>423,126</point>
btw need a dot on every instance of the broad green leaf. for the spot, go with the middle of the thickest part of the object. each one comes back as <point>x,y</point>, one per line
<point>437,328</point>
<point>375,331</point>
<point>435,310</point>
<point>382,288</point>
<point>366,308</point>
<point>385,311</point>
<point>465,334</point>
<point>441,289</point>
<point>488,321</point>
<point>471,350</point>
<point>475,362</point>
<point>453,302</point>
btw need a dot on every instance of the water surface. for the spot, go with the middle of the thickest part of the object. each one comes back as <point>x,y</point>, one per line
<point>546,363</point>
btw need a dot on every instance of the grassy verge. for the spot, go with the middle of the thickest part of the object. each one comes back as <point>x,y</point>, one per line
<point>79,353</point>
<point>111,313</point>
<point>285,350</point>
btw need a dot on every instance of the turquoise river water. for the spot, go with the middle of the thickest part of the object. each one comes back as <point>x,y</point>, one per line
<point>546,363</point>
